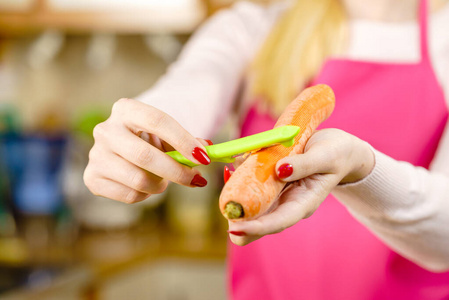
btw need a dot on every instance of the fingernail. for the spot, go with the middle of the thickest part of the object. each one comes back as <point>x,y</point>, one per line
<point>285,171</point>
<point>226,174</point>
<point>198,181</point>
<point>201,156</point>
<point>209,142</point>
<point>237,233</point>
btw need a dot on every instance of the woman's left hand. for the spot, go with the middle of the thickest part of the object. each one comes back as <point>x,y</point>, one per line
<point>331,157</point>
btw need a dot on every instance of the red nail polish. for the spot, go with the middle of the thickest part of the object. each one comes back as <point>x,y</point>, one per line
<point>285,171</point>
<point>198,181</point>
<point>237,233</point>
<point>201,156</point>
<point>209,142</point>
<point>226,174</point>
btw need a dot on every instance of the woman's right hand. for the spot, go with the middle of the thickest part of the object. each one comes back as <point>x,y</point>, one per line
<point>127,162</point>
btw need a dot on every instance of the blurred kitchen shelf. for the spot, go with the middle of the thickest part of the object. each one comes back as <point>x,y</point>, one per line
<point>175,16</point>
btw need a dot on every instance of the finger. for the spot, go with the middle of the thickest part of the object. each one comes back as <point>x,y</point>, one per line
<point>296,167</point>
<point>205,142</point>
<point>238,161</point>
<point>166,146</point>
<point>147,138</point>
<point>116,191</point>
<point>242,240</point>
<point>147,157</point>
<point>153,140</point>
<point>226,174</point>
<point>298,201</point>
<point>119,170</point>
<point>138,117</point>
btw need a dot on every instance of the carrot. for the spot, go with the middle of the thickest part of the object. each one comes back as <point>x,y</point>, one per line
<point>254,186</point>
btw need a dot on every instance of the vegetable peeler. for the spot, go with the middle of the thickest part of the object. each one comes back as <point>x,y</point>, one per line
<point>227,151</point>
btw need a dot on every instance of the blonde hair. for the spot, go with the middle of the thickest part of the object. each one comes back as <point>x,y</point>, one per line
<point>308,33</point>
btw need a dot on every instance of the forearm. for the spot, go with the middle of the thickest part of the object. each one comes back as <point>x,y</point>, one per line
<point>406,206</point>
<point>199,89</point>
<point>199,103</point>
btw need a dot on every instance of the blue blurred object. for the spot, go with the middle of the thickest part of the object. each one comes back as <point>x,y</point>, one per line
<point>34,164</point>
<point>8,126</point>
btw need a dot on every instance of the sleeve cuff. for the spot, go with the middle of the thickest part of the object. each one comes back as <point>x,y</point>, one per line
<point>387,188</point>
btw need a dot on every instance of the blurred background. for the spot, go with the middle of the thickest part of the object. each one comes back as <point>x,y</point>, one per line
<point>63,63</point>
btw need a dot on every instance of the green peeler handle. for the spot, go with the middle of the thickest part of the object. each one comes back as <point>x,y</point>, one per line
<point>225,152</point>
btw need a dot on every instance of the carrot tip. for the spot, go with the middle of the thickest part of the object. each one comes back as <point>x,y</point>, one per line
<point>233,210</point>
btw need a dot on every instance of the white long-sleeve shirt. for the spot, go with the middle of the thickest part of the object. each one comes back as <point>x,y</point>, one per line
<point>406,206</point>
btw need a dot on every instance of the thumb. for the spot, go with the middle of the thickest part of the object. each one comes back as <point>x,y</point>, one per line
<point>298,166</point>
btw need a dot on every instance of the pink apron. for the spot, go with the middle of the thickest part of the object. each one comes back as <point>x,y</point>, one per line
<point>400,110</point>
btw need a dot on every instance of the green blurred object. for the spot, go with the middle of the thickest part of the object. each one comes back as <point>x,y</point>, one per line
<point>9,119</point>
<point>86,121</point>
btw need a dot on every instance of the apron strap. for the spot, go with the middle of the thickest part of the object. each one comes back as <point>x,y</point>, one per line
<point>423,29</point>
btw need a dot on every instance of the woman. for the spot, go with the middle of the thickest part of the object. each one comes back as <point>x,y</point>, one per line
<point>384,154</point>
